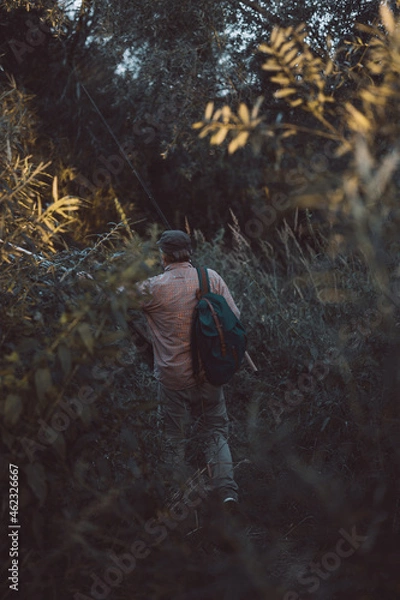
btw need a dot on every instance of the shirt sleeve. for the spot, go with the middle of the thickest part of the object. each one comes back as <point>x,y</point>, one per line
<point>218,286</point>
<point>144,291</point>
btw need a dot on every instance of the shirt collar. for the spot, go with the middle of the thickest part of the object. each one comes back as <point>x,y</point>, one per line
<point>178,265</point>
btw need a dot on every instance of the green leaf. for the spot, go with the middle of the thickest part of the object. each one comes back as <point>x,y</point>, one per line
<point>13,357</point>
<point>36,478</point>
<point>43,382</point>
<point>64,355</point>
<point>60,446</point>
<point>277,409</point>
<point>86,335</point>
<point>12,408</point>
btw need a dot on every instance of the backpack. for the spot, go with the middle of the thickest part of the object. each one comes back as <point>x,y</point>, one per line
<point>218,339</point>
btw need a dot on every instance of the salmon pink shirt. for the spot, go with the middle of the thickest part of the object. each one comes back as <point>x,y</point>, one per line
<point>169,311</point>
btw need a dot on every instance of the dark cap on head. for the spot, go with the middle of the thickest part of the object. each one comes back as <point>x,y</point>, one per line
<point>175,243</point>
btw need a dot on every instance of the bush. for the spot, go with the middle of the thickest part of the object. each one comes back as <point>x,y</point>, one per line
<point>314,435</point>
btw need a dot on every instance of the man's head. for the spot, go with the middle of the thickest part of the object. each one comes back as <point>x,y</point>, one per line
<point>175,246</point>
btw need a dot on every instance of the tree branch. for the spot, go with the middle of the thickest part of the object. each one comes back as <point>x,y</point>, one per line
<point>256,7</point>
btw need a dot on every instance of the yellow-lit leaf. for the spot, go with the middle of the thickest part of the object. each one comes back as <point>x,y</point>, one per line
<point>342,150</point>
<point>386,90</point>
<point>375,68</point>
<point>285,92</point>
<point>271,65</point>
<point>266,49</point>
<point>205,131</point>
<point>239,141</point>
<point>300,28</point>
<point>209,111</point>
<point>12,408</point>
<point>359,122</point>
<point>289,58</point>
<point>296,102</point>
<point>55,188</point>
<point>328,68</point>
<point>257,106</point>
<point>274,34</point>
<point>286,48</point>
<point>244,114</point>
<point>288,133</point>
<point>281,79</point>
<point>387,18</point>
<point>372,98</point>
<point>198,125</point>
<point>13,357</point>
<point>226,113</point>
<point>219,137</point>
<point>277,37</point>
<point>335,296</point>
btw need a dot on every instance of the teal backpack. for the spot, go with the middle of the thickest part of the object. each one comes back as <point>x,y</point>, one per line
<point>218,340</point>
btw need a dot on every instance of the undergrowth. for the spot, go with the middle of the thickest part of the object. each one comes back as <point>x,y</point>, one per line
<point>314,433</point>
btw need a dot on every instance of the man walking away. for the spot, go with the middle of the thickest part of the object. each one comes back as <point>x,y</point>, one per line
<point>169,305</point>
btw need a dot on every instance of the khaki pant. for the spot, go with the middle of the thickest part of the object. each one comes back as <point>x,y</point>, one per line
<point>206,404</point>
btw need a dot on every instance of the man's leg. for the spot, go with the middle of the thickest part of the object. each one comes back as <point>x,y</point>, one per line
<point>173,406</point>
<point>209,407</point>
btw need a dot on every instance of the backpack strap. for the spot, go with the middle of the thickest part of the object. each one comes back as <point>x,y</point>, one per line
<point>204,288</point>
<point>204,282</point>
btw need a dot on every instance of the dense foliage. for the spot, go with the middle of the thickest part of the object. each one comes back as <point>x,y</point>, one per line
<point>278,149</point>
